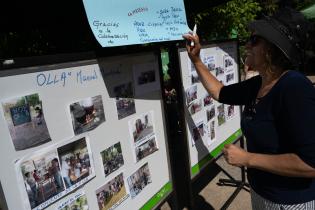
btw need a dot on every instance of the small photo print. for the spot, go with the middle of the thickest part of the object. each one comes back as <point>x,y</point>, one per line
<point>212,130</point>
<point>125,107</point>
<point>219,71</point>
<point>113,193</point>
<point>146,78</point>
<point>50,174</point>
<point>87,114</point>
<point>42,178</point>
<point>229,78</point>
<point>146,148</point>
<point>198,132</point>
<point>75,162</point>
<point>209,61</point>
<point>191,94</point>
<point>26,121</point>
<point>207,100</point>
<point>230,111</point>
<point>221,114</point>
<point>141,128</point>
<point>78,201</point>
<point>139,180</point>
<point>210,113</point>
<point>195,106</point>
<point>112,158</point>
<point>228,63</point>
<point>124,90</point>
<point>194,78</point>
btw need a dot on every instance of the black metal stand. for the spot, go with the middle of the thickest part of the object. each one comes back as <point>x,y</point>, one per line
<point>239,184</point>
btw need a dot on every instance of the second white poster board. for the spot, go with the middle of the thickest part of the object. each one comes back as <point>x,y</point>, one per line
<point>209,124</point>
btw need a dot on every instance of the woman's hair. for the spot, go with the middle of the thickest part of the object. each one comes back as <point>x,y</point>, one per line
<point>276,59</point>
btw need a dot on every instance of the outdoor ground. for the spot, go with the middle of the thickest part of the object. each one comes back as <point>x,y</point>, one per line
<point>213,196</point>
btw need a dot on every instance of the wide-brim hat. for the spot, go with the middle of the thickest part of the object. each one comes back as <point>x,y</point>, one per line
<point>287,30</point>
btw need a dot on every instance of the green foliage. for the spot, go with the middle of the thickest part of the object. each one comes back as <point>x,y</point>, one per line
<point>226,21</point>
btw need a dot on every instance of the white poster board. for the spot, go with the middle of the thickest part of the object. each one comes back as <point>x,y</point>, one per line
<point>209,124</point>
<point>96,126</point>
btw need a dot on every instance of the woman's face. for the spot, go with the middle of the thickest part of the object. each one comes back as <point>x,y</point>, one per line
<point>255,52</point>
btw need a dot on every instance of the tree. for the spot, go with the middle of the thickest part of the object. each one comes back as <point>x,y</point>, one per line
<point>227,20</point>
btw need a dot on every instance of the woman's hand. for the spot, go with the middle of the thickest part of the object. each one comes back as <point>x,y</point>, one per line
<point>235,155</point>
<point>193,51</point>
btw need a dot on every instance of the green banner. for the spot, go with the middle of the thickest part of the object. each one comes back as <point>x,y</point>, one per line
<point>163,192</point>
<point>196,168</point>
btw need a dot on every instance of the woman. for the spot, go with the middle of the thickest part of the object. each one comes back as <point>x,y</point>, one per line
<point>279,113</point>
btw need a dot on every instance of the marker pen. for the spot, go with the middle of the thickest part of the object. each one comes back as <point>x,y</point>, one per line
<point>192,43</point>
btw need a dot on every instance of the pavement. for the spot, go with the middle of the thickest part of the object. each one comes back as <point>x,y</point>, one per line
<point>210,195</point>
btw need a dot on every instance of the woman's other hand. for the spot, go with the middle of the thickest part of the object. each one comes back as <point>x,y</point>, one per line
<point>236,156</point>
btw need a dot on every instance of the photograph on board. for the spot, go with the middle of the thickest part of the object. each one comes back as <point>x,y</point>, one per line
<point>77,201</point>
<point>87,114</point>
<point>221,114</point>
<point>112,158</point>
<point>125,103</point>
<point>76,163</point>
<point>146,148</point>
<point>125,107</point>
<point>191,94</point>
<point>141,128</point>
<point>228,63</point>
<point>211,132</point>
<point>229,78</point>
<point>194,78</point>
<point>139,180</point>
<point>195,106</point>
<point>51,173</point>
<point>26,121</point>
<point>42,178</point>
<point>198,131</point>
<point>113,193</point>
<point>207,100</point>
<point>209,61</point>
<point>219,71</point>
<point>210,113</point>
<point>230,111</point>
<point>124,90</point>
<point>146,78</point>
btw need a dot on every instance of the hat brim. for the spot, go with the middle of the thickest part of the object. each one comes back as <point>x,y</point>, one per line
<point>269,32</point>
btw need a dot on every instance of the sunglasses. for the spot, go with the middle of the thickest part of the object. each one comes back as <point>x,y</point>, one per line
<point>253,40</point>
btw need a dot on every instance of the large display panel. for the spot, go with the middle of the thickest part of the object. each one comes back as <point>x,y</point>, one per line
<point>84,135</point>
<point>209,124</point>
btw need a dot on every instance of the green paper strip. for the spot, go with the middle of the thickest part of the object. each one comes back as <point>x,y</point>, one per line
<point>196,168</point>
<point>164,191</point>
